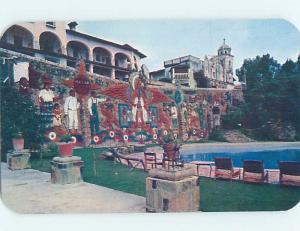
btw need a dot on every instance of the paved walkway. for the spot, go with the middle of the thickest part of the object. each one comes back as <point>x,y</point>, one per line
<point>30,191</point>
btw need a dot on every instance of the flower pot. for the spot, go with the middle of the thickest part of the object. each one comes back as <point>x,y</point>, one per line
<point>65,149</point>
<point>18,144</point>
<point>170,150</point>
<point>169,146</point>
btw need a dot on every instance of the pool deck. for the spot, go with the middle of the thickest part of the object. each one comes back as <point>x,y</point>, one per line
<point>226,147</point>
<point>30,191</point>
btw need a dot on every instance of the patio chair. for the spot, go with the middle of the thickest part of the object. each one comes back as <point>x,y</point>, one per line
<point>254,172</point>
<point>151,159</point>
<point>289,173</point>
<point>224,169</point>
<point>132,162</point>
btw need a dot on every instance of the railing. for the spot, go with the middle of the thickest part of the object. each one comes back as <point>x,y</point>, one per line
<point>21,49</point>
<point>30,50</point>
<point>181,76</point>
<point>181,60</point>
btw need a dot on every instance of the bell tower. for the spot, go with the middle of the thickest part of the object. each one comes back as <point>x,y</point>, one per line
<point>225,61</point>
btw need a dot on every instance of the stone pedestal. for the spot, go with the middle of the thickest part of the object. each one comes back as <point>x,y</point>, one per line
<point>17,160</point>
<point>66,170</point>
<point>173,190</point>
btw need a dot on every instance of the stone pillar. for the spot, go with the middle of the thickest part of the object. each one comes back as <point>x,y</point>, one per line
<point>173,190</point>
<point>91,58</point>
<point>66,170</point>
<point>36,44</point>
<point>173,76</point>
<point>91,68</point>
<point>113,73</point>
<point>113,63</point>
<point>17,160</point>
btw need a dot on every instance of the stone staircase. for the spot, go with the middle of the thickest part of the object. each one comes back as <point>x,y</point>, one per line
<point>235,136</point>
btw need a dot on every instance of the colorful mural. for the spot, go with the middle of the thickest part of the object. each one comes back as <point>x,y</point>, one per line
<point>111,111</point>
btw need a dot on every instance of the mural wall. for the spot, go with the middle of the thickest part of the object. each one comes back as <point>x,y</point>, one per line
<point>105,111</point>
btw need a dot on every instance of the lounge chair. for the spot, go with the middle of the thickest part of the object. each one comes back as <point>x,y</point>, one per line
<point>128,160</point>
<point>253,171</point>
<point>224,169</point>
<point>289,173</point>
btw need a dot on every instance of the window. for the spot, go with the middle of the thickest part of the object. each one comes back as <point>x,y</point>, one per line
<point>51,24</point>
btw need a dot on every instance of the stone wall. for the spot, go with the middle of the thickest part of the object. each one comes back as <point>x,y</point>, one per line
<point>136,111</point>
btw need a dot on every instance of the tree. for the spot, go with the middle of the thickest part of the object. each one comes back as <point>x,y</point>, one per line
<point>289,67</point>
<point>272,92</point>
<point>18,112</point>
<point>289,79</point>
<point>260,94</point>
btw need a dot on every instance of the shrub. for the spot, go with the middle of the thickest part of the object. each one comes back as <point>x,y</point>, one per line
<point>17,135</point>
<point>66,138</point>
<point>19,114</point>
<point>216,135</point>
<point>49,150</point>
<point>232,119</point>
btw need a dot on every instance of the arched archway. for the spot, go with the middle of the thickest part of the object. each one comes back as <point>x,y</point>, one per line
<point>103,57</point>
<point>50,42</point>
<point>18,37</point>
<point>122,60</point>
<point>77,50</point>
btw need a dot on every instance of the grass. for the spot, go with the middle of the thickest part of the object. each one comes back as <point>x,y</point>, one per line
<point>219,195</point>
<point>215,195</point>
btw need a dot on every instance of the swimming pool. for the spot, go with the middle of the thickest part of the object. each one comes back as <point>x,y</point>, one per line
<point>270,157</point>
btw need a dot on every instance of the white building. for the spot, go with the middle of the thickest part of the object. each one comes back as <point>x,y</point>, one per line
<point>219,67</point>
<point>54,42</point>
<point>215,71</point>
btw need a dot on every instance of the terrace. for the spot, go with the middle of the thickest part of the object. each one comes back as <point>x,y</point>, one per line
<point>216,195</point>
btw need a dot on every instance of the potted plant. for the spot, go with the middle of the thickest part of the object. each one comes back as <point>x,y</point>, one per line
<point>171,146</point>
<point>18,140</point>
<point>65,146</point>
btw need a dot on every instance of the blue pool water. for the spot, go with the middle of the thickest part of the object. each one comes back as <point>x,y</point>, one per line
<point>270,158</point>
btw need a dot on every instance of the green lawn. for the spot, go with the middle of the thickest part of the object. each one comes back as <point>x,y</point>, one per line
<point>216,195</point>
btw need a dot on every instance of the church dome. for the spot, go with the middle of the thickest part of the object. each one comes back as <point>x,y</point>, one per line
<point>224,46</point>
<point>224,49</point>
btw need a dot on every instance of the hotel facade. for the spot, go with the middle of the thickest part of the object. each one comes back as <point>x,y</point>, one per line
<point>54,42</point>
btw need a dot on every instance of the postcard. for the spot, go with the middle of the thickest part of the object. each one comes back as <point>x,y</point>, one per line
<point>150,116</point>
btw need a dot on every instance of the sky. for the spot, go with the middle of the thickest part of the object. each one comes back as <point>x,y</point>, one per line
<point>163,39</point>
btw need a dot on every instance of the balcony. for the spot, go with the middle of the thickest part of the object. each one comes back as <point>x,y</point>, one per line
<point>21,49</point>
<point>181,76</point>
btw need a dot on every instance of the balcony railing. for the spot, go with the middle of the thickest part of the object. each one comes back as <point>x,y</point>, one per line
<point>21,49</point>
<point>181,76</point>
<point>29,50</point>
